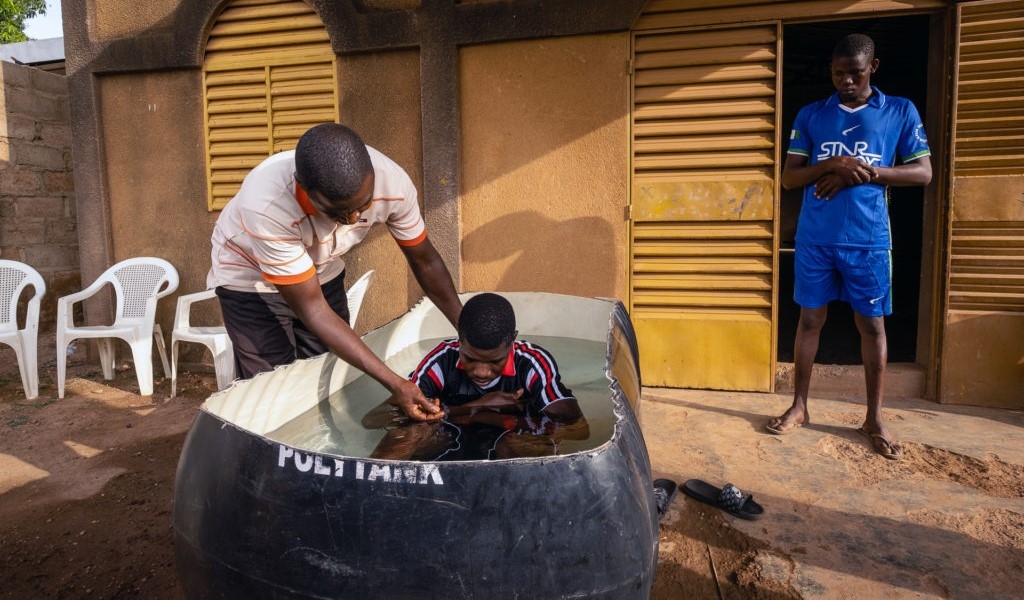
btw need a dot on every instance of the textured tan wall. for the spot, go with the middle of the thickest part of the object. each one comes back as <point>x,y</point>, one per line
<point>385,111</point>
<point>153,148</point>
<point>122,18</point>
<point>545,165</point>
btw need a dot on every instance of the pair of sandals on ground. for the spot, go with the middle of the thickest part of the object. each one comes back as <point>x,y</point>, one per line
<point>729,498</point>
<point>882,445</point>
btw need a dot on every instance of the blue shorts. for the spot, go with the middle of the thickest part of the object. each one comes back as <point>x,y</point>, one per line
<point>861,277</point>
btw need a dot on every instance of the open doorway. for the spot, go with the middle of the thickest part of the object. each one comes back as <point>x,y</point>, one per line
<point>901,45</point>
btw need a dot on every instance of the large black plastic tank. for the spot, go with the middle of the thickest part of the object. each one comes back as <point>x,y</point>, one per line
<point>256,517</point>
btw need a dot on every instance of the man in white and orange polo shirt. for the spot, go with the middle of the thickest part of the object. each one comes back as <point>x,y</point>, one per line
<point>277,253</point>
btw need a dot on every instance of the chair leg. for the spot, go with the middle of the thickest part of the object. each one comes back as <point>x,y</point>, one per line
<point>19,355</point>
<point>62,362</point>
<point>107,358</point>
<point>28,362</point>
<point>223,363</point>
<point>158,335</point>
<point>142,354</point>
<point>174,367</point>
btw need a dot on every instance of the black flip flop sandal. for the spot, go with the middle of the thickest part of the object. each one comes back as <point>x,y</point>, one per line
<point>729,498</point>
<point>664,492</point>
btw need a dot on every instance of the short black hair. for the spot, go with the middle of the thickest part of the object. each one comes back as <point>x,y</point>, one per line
<point>854,45</point>
<point>333,160</point>
<point>487,321</point>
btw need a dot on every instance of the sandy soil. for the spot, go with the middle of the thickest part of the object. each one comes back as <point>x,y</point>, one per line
<point>86,485</point>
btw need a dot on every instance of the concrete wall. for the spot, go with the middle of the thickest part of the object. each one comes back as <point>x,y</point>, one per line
<point>387,116</point>
<point>543,154</point>
<point>153,152</point>
<point>545,165</point>
<point>38,223</point>
<point>404,70</point>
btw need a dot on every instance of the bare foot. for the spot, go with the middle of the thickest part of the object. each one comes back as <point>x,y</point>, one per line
<point>790,420</point>
<point>882,442</point>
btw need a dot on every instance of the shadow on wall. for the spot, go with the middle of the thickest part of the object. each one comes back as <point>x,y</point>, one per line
<point>585,263</point>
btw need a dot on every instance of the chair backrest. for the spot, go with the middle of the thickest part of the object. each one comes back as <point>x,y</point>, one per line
<point>139,282</point>
<point>183,312</point>
<point>356,294</point>
<point>14,278</point>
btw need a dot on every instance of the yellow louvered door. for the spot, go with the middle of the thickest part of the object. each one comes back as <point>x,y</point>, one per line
<point>983,338</point>
<point>268,76</point>
<point>703,206</point>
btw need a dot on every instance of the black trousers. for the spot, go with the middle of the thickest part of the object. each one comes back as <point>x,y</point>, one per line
<point>266,332</point>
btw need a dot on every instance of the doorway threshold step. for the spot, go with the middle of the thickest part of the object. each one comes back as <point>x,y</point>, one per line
<point>903,380</point>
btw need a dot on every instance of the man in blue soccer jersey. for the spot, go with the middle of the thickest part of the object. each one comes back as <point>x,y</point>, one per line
<point>845,151</point>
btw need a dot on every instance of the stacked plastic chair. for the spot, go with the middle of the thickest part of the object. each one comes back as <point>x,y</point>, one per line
<point>138,284</point>
<point>216,337</point>
<point>15,278</point>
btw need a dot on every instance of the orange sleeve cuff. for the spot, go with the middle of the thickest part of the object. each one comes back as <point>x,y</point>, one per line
<point>290,279</point>
<point>413,242</point>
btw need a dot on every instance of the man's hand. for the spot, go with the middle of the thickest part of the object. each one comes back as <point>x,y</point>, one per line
<point>852,171</point>
<point>828,186</point>
<point>491,401</point>
<point>414,404</point>
<point>843,172</point>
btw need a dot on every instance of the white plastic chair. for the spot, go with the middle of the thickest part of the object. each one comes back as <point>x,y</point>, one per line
<point>14,278</point>
<point>213,337</point>
<point>216,337</point>
<point>138,283</point>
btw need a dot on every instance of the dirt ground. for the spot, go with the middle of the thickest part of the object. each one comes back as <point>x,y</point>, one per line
<point>86,485</point>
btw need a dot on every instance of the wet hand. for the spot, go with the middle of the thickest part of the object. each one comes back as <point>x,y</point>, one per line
<point>414,404</point>
<point>498,400</point>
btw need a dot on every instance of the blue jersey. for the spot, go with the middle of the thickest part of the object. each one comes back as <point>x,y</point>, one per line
<point>879,132</point>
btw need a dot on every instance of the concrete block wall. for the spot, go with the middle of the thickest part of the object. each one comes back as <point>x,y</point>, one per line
<point>38,224</point>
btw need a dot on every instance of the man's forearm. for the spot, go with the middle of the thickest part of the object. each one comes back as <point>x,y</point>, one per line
<point>435,279</point>
<point>312,309</point>
<point>794,177</point>
<point>918,172</point>
<point>342,341</point>
<point>432,274</point>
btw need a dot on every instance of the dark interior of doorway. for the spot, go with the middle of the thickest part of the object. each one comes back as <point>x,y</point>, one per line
<point>901,45</point>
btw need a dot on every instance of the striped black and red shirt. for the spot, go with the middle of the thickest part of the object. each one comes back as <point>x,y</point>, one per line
<point>530,368</point>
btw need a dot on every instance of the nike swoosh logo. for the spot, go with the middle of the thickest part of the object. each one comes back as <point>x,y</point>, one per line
<point>875,300</point>
<point>846,131</point>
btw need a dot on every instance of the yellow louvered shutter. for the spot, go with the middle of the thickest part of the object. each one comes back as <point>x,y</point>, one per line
<point>983,338</point>
<point>268,75</point>
<point>703,206</point>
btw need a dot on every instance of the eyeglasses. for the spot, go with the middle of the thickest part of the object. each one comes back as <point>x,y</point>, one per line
<point>345,217</point>
<point>341,214</point>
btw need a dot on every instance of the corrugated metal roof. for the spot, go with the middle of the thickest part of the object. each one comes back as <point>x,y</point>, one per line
<point>33,52</point>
